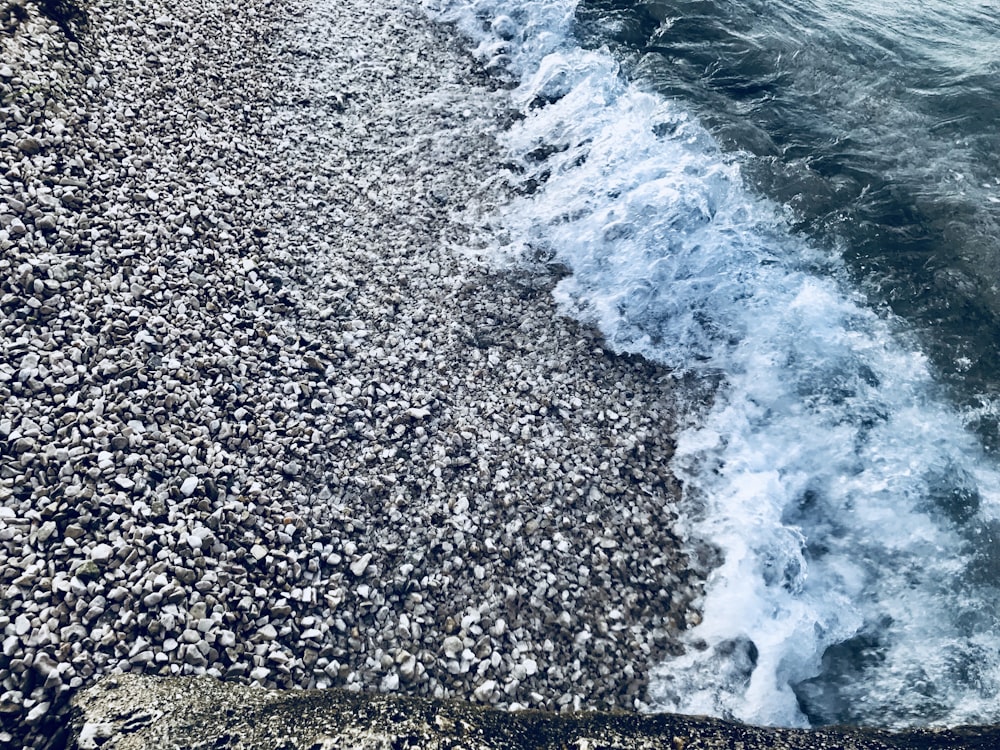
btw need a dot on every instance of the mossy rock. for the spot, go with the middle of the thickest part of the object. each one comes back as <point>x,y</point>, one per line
<point>88,571</point>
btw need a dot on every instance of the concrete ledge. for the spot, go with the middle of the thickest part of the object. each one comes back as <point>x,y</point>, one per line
<point>130,711</point>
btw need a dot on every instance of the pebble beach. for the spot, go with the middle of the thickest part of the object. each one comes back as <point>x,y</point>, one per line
<point>270,408</point>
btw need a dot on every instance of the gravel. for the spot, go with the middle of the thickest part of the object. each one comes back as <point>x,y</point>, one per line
<point>268,411</point>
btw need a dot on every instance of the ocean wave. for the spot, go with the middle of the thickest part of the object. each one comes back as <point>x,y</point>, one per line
<point>854,513</point>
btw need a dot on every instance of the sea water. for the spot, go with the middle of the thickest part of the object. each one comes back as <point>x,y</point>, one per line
<point>796,204</point>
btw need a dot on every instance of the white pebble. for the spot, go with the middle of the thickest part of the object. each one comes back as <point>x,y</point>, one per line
<point>359,566</point>
<point>484,691</point>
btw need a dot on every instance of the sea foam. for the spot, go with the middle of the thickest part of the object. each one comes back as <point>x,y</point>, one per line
<point>853,513</point>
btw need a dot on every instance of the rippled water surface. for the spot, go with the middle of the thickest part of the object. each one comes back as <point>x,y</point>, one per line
<point>797,203</point>
<point>874,123</point>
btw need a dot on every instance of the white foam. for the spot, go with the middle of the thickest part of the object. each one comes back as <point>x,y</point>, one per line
<point>828,471</point>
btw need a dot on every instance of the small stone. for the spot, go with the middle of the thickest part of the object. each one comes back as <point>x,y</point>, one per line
<point>260,674</point>
<point>158,508</point>
<point>22,625</point>
<point>259,552</point>
<point>268,632</point>
<point>101,554</point>
<point>190,636</point>
<point>45,664</point>
<point>152,599</point>
<point>46,223</point>
<point>408,668</point>
<point>195,658</point>
<point>53,681</point>
<point>124,482</point>
<point>485,691</point>
<point>188,486</point>
<point>37,713</point>
<point>359,566</point>
<point>452,646</point>
<point>88,571</point>
<point>30,361</point>
<point>211,489</point>
<point>29,146</point>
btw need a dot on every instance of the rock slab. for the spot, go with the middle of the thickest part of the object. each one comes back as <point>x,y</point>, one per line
<point>130,711</point>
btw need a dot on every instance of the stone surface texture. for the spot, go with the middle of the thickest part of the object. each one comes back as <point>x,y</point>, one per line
<point>133,712</point>
<point>268,409</point>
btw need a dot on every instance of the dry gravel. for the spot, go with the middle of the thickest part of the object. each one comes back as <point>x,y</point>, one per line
<point>267,409</point>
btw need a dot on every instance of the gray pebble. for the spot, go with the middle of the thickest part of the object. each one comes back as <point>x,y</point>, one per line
<point>396,444</point>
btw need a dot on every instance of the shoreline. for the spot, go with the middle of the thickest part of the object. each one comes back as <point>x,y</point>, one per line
<point>267,412</point>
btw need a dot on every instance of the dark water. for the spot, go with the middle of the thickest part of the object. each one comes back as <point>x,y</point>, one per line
<point>795,202</point>
<point>876,123</point>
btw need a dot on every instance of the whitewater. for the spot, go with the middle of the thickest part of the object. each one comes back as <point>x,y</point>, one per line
<point>850,512</point>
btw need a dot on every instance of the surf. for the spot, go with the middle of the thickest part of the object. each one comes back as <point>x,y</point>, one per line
<point>849,515</point>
